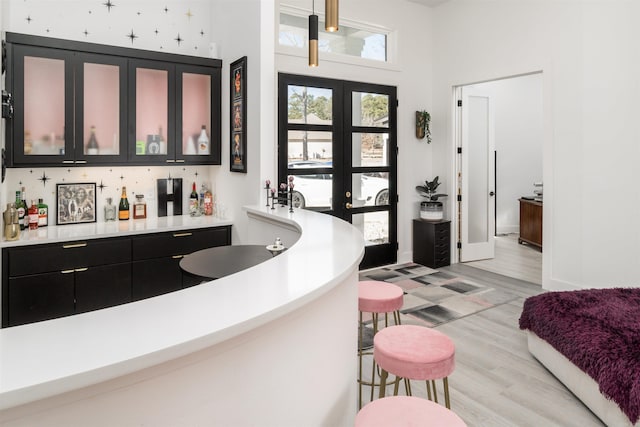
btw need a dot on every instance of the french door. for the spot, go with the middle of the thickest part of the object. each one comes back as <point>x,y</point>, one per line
<point>338,140</point>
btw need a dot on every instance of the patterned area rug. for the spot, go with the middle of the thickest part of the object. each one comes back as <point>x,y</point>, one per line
<point>431,297</point>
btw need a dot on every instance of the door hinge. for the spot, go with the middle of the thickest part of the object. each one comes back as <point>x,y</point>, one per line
<point>459,150</point>
<point>459,245</point>
<point>397,102</point>
<point>397,246</point>
<point>459,197</point>
<point>397,198</point>
<point>459,102</point>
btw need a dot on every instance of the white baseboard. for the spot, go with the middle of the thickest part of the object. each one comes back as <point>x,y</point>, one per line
<point>507,229</point>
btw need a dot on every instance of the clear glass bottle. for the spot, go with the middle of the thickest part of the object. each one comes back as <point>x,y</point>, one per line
<point>139,207</point>
<point>110,210</point>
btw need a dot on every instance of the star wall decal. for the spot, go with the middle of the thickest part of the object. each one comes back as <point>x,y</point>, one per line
<point>196,174</point>
<point>121,177</point>
<point>86,33</point>
<point>166,10</point>
<point>202,33</point>
<point>156,31</point>
<point>28,19</point>
<point>109,5</point>
<point>102,186</point>
<point>189,14</point>
<point>44,178</point>
<point>132,36</point>
<point>178,39</point>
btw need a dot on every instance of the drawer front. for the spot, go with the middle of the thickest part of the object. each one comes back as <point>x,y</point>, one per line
<point>179,242</point>
<point>68,255</point>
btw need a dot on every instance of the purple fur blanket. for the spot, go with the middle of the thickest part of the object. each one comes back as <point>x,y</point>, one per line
<point>599,331</point>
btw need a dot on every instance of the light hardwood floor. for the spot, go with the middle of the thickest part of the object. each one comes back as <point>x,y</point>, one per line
<point>514,260</point>
<point>496,381</point>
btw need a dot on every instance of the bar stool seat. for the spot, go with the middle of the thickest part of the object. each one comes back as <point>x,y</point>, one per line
<point>406,411</point>
<point>415,353</point>
<point>375,297</point>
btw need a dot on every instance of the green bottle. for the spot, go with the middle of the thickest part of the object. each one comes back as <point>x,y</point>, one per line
<point>21,207</point>
<point>43,214</point>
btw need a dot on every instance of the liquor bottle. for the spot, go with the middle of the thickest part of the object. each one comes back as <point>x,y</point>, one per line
<point>203,141</point>
<point>92,145</point>
<point>163,143</point>
<point>43,214</point>
<point>33,216</point>
<point>20,210</point>
<point>193,201</point>
<point>24,209</point>
<point>201,198</point>
<point>110,210</point>
<point>139,207</point>
<point>123,208</point>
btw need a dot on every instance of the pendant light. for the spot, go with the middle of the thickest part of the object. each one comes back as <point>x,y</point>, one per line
<point>313,37</point>
<point>331,15</point>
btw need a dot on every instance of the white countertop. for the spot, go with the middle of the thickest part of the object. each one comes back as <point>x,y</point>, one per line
<point>97,230</point>
<point>47,358</point>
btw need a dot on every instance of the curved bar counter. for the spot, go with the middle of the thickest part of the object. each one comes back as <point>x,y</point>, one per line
<point>271,345</point>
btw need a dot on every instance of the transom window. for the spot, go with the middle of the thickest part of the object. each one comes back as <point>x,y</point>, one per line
<point>351,40</point>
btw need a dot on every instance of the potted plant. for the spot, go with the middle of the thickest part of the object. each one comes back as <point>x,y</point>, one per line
<point>431,209</point>
<point>423,120</point>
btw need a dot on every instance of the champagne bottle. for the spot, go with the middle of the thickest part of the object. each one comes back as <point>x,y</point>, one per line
<point>193,201</point>
<point>123,207</point>
<point>92,145</point>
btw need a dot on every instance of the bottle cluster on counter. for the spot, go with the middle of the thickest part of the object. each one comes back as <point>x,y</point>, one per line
<point>201,204</point>
<point>31,215</point>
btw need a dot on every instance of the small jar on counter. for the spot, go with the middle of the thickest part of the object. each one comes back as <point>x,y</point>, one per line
<point>139,207</point>
<point>110,210</point>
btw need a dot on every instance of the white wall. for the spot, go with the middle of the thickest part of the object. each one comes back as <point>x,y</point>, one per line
<point>411,74</point>
<point>518,142</point>
<point>590,64</point>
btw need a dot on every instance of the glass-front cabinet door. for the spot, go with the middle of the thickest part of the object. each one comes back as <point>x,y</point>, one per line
<point>101,110</point>
<point>152,109</point>
<point>198,115</point>
<point>43,120</point>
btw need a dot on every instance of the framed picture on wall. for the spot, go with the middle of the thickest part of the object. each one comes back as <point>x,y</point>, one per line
<point>238,110</point>
<point>75,203</point>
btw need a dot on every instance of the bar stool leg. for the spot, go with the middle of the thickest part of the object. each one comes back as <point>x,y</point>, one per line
<point>447,402</point>
<point>360,327</point>
<point>428,390</point>
<point>435,391</point>
<point>383,383</point>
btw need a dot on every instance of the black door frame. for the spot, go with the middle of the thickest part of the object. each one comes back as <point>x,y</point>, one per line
<point>342,170</point>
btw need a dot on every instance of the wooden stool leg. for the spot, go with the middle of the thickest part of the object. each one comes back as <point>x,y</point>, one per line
<point>396,317</point>
<point>435,392</point>
<point>447,402</point>
<point>396,386</point>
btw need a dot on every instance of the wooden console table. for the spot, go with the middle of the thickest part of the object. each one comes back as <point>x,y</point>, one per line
<point>531,223</point>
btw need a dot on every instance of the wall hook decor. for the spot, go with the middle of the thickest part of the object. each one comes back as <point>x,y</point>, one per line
<point>423,120</point>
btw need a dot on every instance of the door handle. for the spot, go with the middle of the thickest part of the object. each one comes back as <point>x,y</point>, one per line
<point>491,193</point>
<point>348,205</point>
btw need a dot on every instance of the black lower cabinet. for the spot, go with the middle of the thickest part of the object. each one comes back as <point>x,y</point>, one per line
<point>431,243</point>
<point>103,286</point>
<point>40,297</point>
<point>156,277</point>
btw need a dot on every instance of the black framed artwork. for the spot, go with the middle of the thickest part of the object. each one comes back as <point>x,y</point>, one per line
<point>76,203</point>
<point>238,109</point>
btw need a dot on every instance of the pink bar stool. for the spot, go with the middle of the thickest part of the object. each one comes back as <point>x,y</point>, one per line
<point>414,353</point>
<point>376,297</point>
<point>406,411</point>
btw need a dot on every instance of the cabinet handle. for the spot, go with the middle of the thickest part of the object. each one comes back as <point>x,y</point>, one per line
<point>182,234</point>
<point>177,256</point>
<point>179,160</point>
<point>170,161</point>
<point>79,270</point>
<point>67,161</point>
<point>74,245</point>
<point>67,271</point>
<point>80,161</point>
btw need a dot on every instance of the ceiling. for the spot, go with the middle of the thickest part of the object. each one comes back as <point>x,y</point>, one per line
<point>430,3</point>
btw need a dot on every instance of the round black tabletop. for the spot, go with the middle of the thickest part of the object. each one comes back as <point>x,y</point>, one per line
<point>214,263</point>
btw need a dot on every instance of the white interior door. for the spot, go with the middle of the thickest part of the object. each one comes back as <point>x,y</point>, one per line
<point>478,181</point>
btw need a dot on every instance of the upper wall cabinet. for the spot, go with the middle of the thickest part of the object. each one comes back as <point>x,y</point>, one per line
<point>81,103</point>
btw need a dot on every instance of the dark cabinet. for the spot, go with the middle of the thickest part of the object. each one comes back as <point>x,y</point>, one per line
<point>156,259</point>
<point>141,107</point>
<point>102,286</point>
<point>38,297</point>
<point>431,243</point>
<point>531,223</point>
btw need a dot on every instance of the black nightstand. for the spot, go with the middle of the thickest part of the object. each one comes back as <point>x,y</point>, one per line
<point>431,243</point>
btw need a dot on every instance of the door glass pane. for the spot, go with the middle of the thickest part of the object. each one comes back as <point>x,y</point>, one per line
<point>370,109</point>
<point>101,109</point>
<point>309,148</point>
<point>478,169</point>
<point>196,114</point>
<point>313,191</point>
<point>152,111</point>
<point>370,189</point>
<point>310,105</point>
<point>374,227</point>
<point>370,149</point>
<point>44,103</point>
